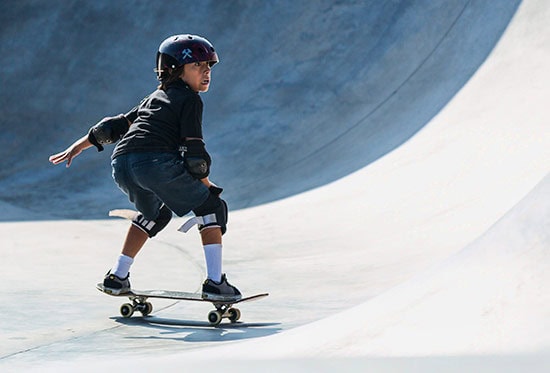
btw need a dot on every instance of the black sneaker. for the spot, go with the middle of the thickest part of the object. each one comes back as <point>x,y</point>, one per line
<point>115,285</point>
<point>222,291</point>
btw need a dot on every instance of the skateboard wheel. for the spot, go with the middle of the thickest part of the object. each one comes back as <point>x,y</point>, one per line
<point>234,314</point>
<point>148,308</point>
<point>214,317</point>
<point>127,310</point>
<point>145,308</point>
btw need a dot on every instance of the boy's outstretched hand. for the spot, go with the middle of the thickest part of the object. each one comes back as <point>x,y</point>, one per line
<point>72,151</point>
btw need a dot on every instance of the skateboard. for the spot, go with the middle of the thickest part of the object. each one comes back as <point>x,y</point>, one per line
<point>224,309</point>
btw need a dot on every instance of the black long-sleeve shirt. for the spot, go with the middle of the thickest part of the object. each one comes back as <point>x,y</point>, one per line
<point>162,121</point>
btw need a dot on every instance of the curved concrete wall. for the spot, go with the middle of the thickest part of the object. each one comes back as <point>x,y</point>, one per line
<point>305,92</point>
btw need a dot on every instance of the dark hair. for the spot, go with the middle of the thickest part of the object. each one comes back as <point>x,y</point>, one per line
<point>169,77</point>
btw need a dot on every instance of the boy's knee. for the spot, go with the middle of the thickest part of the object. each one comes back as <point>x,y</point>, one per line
<point>152,227</point>
<point>212,213</point>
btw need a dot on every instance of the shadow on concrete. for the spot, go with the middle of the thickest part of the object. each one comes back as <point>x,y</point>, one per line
<point>198,331</point>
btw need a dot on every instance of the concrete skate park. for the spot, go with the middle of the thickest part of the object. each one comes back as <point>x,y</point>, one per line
<point>386,165</point>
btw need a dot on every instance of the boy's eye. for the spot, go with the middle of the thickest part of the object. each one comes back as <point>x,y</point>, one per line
<point>197,63</point>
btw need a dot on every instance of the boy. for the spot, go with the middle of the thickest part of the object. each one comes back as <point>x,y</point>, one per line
<point>160,161</point>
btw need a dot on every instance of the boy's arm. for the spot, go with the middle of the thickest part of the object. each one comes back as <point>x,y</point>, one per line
<point>217,190</point>
<point>198,151</point>
<point>107,131</point>
<point>72,151</point>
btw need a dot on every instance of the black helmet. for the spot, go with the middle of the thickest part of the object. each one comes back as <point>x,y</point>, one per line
<point>178,50</point>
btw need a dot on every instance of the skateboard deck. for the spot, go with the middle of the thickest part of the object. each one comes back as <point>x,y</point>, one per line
<point>139,303</point>
<point>123,213</point>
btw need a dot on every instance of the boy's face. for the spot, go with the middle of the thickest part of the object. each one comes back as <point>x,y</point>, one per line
<point>197,75</point>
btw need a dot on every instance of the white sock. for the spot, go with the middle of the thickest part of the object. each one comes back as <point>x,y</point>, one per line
<point>213,256</point>
<point>122,266</point>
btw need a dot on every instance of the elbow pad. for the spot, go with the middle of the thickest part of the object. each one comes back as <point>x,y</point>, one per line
<point>108,131</point>
<point>196,159</point>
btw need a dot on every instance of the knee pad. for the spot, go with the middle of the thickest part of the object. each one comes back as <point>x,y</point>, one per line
<point>152,227</point>
<point>212,213</point>
<point>218,218</point>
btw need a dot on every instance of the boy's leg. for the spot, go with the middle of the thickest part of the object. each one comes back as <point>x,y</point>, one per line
<point>212,244</point>
<point>216,285</point>
<point>140,230</point>
<point>138,233</point>
<point>117,279</point>
<point>135,239</point>
<point>211,236</point>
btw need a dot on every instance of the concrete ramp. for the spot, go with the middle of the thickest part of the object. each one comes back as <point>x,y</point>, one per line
<point>488,299</point>
<point>304,94</point>
<point>431,255</point>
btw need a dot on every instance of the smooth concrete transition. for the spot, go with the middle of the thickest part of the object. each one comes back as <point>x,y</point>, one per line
<point>304,94</point>
<point>388,165</point>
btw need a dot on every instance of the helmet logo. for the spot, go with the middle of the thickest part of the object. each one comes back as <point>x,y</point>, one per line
<point>187,53</point>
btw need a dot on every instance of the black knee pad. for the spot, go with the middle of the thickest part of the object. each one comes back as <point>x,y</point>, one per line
<point>212,213</point>
<point>221,215</point>
<point>152,227</point>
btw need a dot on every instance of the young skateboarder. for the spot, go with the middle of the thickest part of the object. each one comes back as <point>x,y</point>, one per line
<point>160,161</point>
